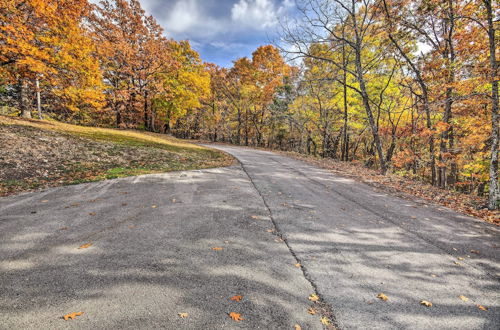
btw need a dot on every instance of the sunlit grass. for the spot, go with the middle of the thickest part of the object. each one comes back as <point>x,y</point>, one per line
<point>127,137</point>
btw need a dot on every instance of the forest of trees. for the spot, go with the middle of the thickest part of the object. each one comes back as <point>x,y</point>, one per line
<point>406,86</point>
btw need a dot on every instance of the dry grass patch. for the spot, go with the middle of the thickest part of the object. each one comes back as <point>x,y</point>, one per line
<point>37,154</point>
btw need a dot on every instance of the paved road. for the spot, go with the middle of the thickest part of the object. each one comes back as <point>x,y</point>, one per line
<point>151,255</point>
<point>355,242</point>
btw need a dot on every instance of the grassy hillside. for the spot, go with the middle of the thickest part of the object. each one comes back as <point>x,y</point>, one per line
<point>36,154</point>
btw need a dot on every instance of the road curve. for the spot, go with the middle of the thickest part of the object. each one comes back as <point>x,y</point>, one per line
<point>355,242</point>
<point>151,255</point>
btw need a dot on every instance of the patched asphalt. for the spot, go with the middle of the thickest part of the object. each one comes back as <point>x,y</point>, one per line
<point>152,253</point>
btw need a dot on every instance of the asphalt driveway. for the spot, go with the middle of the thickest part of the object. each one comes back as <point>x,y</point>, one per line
<point>151,254</point>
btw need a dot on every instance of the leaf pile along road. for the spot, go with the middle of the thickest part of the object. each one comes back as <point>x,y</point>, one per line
<point>272,243</point>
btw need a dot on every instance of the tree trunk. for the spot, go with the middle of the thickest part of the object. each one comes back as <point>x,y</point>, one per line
<point>146,115</point>
<point>38,99</point>
<point>369,113</point>
<point>24,104</point>
<point>494,191</point>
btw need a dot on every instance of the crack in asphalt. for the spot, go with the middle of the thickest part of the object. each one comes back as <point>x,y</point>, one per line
<point>324,308</point>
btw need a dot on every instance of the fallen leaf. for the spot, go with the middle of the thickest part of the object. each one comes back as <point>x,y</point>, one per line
<point>297,265</point>
<point>216,248</point>
<point>270,230</point>
<point>325,320</point>
<point>254,217</point>
<point>236,317</point>
<point>460,258</point>
<point>278,240</point>
<point>86,245</point>
<point>426,303</point>
<point>75,204</point>
<point>63,228</point>
<point>433,275</point>
<point>154,206</point>
<point>131,226</point>
<point>72,316</point>
<point>457,263</point>
<point>92,213</point>
<point>474,251</point>
<point>481,307</point>
<point>45,201</point>
<point>311,311</point>
<point>173,200</point>
<point>124,204</point>
<point>382,296</point>
<point>464,298</point>
<point>236,298</point>
<point>183,315</point>
<point>298,327</point>
<point>313,297</point>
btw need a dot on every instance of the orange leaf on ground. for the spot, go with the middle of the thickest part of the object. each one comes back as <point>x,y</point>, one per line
<point>236,298</point>
<point>464,298</point>
<point>311,311</point>
<point>426,303</point>
<point>183,315</point>
<point>298,327</point>
<point>313,297</point>
<point>72,316</point>
<point>236,317</point>
<point>86,245</point>
<point>297,265</point>
<point>481,307</point>
<point>216,248</point>
<point>382,296</point>
<point>325,320</point>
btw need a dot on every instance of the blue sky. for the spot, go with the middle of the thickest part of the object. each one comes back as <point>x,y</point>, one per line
<point>221,30</point>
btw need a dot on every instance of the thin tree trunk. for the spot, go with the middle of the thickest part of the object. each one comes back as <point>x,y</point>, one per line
<point>38,99</point>
<point>494,191</point>
<point>345,146</point>
<point>369,113</point>
<point>446,135</point>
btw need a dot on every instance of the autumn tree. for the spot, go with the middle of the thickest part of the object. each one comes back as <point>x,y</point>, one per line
<point>337,23</point>
<point>45,41</point>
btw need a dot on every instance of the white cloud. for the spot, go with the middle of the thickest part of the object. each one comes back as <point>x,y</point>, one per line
<point>183,16</point>
<point>187,18</point>
<point>258,14</point>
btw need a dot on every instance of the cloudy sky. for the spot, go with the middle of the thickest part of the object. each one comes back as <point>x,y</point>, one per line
<point>221,30</point>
